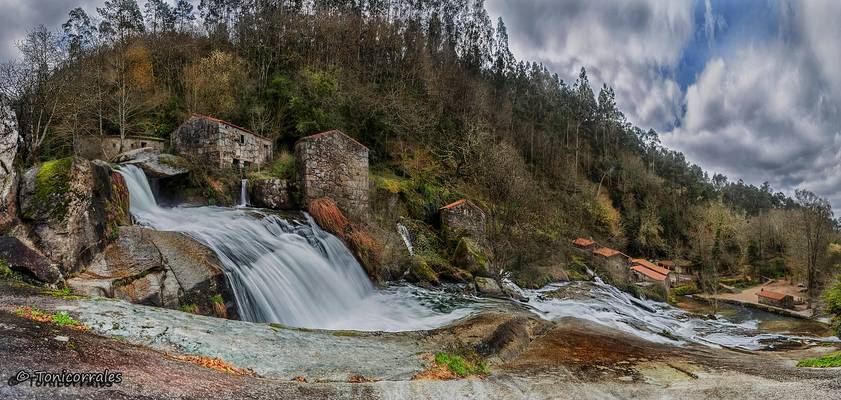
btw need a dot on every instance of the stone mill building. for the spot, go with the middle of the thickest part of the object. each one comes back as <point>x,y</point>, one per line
<point>220,143</point>
<point>334,165</point>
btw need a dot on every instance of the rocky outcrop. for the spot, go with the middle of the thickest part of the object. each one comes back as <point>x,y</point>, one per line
<point>471,257</point>
<point>64,204</point>
<point>154,163</point>
<point>333,165</point>
<point>271,193</point>
<point>9,140</point>
<point>20,257</point>
<point>488,287</point>
<point>164,269</point>
<point>366,249</point>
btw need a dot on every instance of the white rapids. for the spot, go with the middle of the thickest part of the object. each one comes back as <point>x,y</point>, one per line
<point>294,273</point>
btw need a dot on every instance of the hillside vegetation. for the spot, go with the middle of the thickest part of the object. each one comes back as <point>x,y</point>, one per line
<point>433,90</point>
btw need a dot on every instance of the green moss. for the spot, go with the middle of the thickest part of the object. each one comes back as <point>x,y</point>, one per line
<point>5,270</point>
<point>52,184</point>
<point>461,366</point>
<point>470,256</point>
<point>64,319</point>
<point>217,298</point>
<point>64,293</point>
<point>830,360</point>
<point>421,272</point>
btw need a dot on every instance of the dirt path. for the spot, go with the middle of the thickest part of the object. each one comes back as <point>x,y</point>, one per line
<point>748,296</point>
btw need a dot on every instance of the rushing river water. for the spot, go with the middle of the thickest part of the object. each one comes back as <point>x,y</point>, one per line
<point>294,273</point>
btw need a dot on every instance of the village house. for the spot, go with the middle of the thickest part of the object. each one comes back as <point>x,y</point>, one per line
<point>645,270</point>
<point>775,299</point>
<point>463,218</point>
<point>681,271</point>
<point>333,165</point>
<point>584,244</point>
<point>97,147</point>
<point>219,143</point>
<point>611,261</point>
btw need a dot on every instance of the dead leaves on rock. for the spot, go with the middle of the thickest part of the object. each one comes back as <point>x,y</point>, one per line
<point>212,363</point>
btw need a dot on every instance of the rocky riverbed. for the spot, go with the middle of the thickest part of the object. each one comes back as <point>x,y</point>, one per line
<point>529,357</point>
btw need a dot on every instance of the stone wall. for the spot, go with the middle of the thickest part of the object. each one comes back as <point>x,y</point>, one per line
<point>220,144</point>
<point>108,147</point>
<point>463,218</point>
<point>333,165</point>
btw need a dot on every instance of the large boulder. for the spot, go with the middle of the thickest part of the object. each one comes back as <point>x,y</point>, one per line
<point>9,141</point>
<point>471,257</point>
<point>271,193</point>
<point>164,269</point>
<point>64,204</point>
<point>154,163</point>
<point>20,257</point>
<point>488,287</point>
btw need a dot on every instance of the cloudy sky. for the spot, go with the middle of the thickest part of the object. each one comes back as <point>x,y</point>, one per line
<point>749,88</point>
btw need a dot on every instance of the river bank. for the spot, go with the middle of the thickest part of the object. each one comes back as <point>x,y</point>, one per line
<point>528,357</point>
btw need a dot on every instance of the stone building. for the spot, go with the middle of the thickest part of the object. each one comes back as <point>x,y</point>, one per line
<point>775,299</point>
<point>333,165</point>
<point>463,218</point>
<point>612,262</point>
<point>220,143</point>
<point>107,147</point>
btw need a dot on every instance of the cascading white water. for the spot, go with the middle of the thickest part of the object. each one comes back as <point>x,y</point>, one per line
<point>285,271</point>
<point>407,238</point>
<point>243,193</point>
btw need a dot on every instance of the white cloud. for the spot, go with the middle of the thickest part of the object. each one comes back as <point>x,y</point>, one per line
<point>770,111</point>
<point>633,46</point>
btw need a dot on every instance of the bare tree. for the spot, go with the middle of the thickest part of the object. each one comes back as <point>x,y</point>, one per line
<point>29,82</point>
<point>815,216</point>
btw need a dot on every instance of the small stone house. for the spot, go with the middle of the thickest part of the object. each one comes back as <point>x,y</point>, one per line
<point>333,165</point>
<point>220,143</point>
<point>463,218</point>
<point>611,261</point>
<point>107,147</point>
<point>645,270</point>
<point>775,299</point>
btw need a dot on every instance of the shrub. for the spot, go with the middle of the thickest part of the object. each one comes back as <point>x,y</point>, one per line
<point>461,366</point>
<point>686,290</point>
<point>832,298</point>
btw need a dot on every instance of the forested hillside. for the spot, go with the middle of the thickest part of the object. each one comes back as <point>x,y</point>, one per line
<point>433,90</point>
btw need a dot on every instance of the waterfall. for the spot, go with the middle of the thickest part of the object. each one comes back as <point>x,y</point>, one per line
<point>290,272</point>
<point>243,193</point>
<point>407,238</point>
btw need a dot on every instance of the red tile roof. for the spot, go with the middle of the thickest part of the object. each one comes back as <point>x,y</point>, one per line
<point>209,118</point>
<point>649,273</point>
<point>666,263</point>
<point>772,295</point>
<point>581,242</point>
<point>648,264</point>
<point>606,252</point>
<point>458,203</point>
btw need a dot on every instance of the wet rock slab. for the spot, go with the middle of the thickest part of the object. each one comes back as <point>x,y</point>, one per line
<point>270,350</point>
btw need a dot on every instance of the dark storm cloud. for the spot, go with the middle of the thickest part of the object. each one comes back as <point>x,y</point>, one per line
<point>18,16</point>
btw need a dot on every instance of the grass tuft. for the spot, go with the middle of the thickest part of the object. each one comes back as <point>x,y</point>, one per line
<point>831,360</point>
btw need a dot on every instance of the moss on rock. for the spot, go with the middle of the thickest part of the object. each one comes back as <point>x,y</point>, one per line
<point>421,273</point>
<point>471,257</point>
<point>52,184</point>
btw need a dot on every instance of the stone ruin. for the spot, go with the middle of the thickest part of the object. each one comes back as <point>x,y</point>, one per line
<point>333,165</point>
<point>463,218</point>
